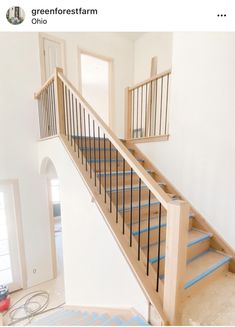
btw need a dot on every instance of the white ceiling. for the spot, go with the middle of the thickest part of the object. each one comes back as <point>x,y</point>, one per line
<point>131,35</point>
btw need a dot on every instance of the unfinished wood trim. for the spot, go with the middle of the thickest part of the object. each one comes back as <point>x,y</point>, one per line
<point>175,260</point>
<point>60,114</point>
<point>144,281</point>
<point>45,85</point>
<point>200,222</point>
<point>149,139</point>
<point>157,191</point>
<point>154,64</point>
<point>128,113</point>
<point>166,72</point>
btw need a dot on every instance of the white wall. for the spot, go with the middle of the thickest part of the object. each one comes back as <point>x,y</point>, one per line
<point>150,45</point>
<point>19,78</point>
<point>95,271</point>
<point>200,156</point>
<point>110,45</point>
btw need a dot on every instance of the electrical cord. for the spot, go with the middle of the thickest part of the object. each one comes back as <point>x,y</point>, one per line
<point>31,307</point>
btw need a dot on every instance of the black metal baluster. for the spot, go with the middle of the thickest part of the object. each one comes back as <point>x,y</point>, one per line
<point>123,196</point>
<point>160,119</point>
<point>78,143</point>
<point>81,137</point>
<point>99,161</point>
<point>131,213</point>
<point>94,148</point>
<point>84,121</point>
<point>117,186</point>
<point>159,245</point>
<point>139,218</point>
<point>105,181</point>
<point>149,200</point>
<point>89,132</point>
<point>110,180</point>
<point>166,115</point>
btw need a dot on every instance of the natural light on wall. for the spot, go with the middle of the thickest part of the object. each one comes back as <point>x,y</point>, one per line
<point>95,84</point>
<point>55,190</point>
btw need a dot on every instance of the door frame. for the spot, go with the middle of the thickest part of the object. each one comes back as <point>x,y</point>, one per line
<point>42,37</point>
<point>110,61</point>
<point>13,184</point>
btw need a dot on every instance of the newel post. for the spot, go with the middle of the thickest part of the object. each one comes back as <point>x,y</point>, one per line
<point>128,108</point>
<point>59,103</point>
<point>176,259</point>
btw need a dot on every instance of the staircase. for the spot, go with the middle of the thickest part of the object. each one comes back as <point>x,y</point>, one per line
<point>171,249</point>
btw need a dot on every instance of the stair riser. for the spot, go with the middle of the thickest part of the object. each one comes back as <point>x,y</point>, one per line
<point>103,154</point>
<point>135,196</point>
<point>143,212</point>
<point>154,234</point>
<point>206,280</point>
<point>191,252</point>
<point>120,180</point>
<point>101,167</point>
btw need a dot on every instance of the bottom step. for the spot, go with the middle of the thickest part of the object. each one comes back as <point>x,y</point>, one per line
<point>204,265</point>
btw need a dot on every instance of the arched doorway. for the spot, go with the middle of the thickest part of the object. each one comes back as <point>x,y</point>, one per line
<point>53,188</point>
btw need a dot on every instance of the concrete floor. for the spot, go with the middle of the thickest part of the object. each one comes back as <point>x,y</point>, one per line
<point>54,287</point>
<point>214,305</point>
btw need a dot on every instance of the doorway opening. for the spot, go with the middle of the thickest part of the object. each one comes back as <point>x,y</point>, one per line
<point>96,84</point>
<point>52,55</point>
<point>11,247</point>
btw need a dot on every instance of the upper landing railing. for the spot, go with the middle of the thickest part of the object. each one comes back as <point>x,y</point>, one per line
<point>147,108</point>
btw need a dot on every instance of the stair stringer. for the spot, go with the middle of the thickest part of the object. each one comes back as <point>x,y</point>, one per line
<point>200,222</point>
<point>139,286</point>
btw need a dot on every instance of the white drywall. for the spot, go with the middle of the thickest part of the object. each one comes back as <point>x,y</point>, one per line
<point>95,271</point>
<point>148,46</point>
<point>19,78</point>
<point>199,158</point>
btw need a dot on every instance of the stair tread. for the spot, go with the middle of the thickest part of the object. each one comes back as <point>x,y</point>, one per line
<point>108,160</point>
<point>120,172</point>
<point>135,204</point>
<point>153,222</point>
<point>204,264</point>
<point>134,187</point>
<point>194,237</point>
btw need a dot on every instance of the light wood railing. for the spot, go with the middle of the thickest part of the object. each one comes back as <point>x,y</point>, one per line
<point>147,109</point>
<point>65,113</point>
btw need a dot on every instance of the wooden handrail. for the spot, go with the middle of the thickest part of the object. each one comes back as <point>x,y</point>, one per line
<point>157,191</point>
<point>50,79</point>
<point>166,72</point>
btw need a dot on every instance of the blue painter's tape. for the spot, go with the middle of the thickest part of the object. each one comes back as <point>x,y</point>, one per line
<point>207,272</point>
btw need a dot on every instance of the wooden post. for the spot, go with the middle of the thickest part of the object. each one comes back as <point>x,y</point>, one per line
<point>60,115</point>
<point>128,113</point>
<point>176,259</point>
